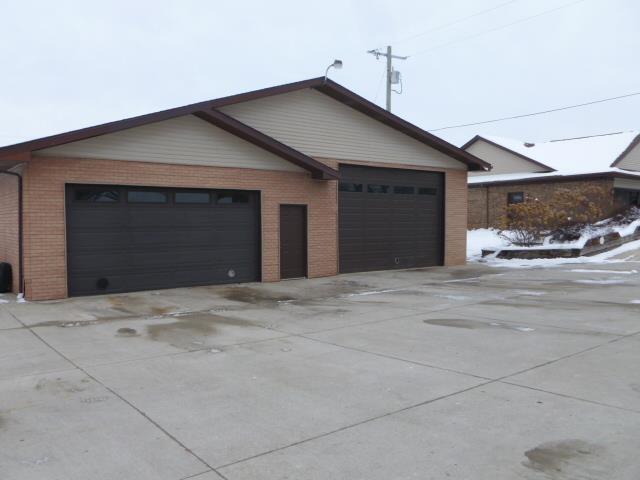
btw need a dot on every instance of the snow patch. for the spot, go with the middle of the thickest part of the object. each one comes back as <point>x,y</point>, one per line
<point>375,292</point>
<point>605,257</point>
<point>618,272</point>
<point>635,302</point>
<point>532,293</point>
<point>608,281</point>
<point>20,298</point>
<point>484,238</point>
<point>453,297</point>
<point>512,327</point>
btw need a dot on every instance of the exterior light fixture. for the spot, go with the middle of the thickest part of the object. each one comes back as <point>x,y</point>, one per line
<point>337,64</point>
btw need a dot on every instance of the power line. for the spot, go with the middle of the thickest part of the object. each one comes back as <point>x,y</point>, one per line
<point>502,27</point>
<point>454,22</point>
<point>536,113</point>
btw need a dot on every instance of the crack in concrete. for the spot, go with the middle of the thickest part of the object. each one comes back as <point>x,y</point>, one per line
<point>130,404</point>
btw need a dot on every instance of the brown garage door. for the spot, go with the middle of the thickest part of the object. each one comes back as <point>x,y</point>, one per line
<point>390,218</point>
<point>122,239</point>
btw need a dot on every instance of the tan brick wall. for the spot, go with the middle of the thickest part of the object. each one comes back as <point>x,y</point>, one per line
<point>9,225</point>
<point>493,199</point>
<point>45,179</point>
<point>456,192</point>
<point>45,261</point>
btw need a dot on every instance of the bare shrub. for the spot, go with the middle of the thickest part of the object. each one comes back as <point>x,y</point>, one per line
<point>564,216</point>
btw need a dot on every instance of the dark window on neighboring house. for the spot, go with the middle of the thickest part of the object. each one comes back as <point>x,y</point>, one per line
<point>96,195</point>
<point>350,187</point>
<point>627,198</point>
<point>146,196</point>
<point>192,197</point>
<point>427,191</point>
<point>372,188</point>
<point>515,197</point>
<point>404,190</point>
<point>232,197</point>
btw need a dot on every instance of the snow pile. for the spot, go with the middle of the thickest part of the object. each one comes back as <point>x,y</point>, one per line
<point>605,257</point>
<point>484,238</point>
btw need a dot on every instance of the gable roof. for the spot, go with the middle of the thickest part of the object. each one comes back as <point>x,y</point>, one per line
<point>593,155</point>
<point>502,147</point>
<point>202,109</point>
<point>627,150</point>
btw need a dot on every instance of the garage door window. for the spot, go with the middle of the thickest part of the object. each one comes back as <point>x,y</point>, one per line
<point>404,190</point>
<point>373,188</point>
<point>233,197</point>
<point>427,191</point>
<point>192,197</point>
<point>146,196</point>
<point>97,195</point>
<point>350,187</point>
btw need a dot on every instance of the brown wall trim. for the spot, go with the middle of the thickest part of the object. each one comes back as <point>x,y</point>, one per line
<point>318,170</point>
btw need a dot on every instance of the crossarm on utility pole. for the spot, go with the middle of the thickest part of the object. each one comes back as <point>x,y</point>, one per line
<point>390,56</point>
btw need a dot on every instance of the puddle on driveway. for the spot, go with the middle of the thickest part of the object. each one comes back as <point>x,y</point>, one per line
<point>127,332</point>
<point>311,295</point>
<point>474,324</point>
<point>134,305</point>
<point>253,295</point>
<point>454,322</point>
<point>188,331</point>
<point>563,459</point>
<point>58,385</point>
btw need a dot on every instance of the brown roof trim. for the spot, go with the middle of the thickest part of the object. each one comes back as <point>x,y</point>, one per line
<point>627,150</point>
<point>502,147</point>
<point>225,122</point>
<point>555,178</point>
<point>328,87</point>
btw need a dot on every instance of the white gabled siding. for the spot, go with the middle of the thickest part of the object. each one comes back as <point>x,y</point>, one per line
<point>183,141</point>
<point>632,160</point>
<point>322,127</point>
<point>501,160</point>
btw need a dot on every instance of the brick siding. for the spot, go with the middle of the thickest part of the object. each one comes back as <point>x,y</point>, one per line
<point>9,225</point>
<point>488,204</point>
<point>44,222</point>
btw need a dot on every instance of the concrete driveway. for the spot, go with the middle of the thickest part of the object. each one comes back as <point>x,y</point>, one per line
<point>462,373</point>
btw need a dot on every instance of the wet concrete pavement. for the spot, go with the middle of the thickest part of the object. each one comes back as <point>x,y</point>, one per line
<point>466,372</point>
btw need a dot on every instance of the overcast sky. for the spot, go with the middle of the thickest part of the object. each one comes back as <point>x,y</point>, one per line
<point>72,64</point>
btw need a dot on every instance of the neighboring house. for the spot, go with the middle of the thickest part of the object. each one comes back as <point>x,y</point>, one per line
<point>526,170</point>
<point>238,189</point>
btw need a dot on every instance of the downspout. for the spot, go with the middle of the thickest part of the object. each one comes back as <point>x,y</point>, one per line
<point>20,232</point>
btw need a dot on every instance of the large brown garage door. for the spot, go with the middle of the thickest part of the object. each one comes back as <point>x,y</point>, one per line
<point>390,218</point>
<point>122,239</point>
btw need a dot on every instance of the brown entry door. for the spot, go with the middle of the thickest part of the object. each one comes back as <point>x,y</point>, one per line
<point>293,241</point>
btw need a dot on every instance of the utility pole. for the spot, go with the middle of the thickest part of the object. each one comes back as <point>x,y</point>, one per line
<point>393,76</point>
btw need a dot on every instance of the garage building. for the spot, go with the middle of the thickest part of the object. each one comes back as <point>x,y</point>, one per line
<point>300,180</point>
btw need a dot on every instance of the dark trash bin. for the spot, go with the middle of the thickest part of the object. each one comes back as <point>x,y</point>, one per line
<point>5,277</point>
